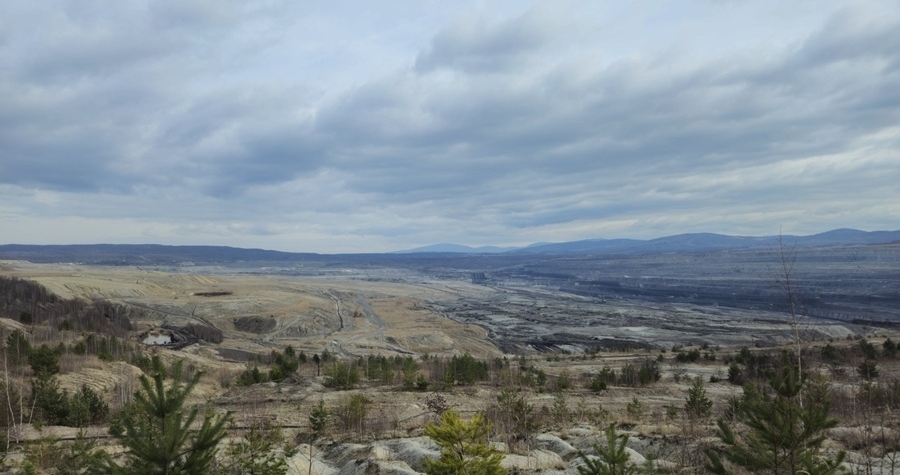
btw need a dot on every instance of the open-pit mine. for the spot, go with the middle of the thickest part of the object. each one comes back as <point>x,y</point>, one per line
<point>511,304</point>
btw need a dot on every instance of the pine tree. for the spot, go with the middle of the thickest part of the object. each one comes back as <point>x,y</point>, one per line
<point>867,370</point>
<point>464,447</point>
<point>697,405</point>
<point>156,432</point>
<point>255,452</point>
<point>78,457</point>
<point>516,415</point>
<point>613,460</point>
<point>318,420</point>
<point>635,409</point>
<point>784,428</point>
<point>560,410</point>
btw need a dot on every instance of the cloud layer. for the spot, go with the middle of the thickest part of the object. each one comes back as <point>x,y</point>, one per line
<point>348,129</point>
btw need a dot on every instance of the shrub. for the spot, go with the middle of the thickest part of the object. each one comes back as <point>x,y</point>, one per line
<point>640,375</point>
<point>516,415</point>
<point>352,413</point>
<point>563,381</point>
<point>251,376</point>
<point>597,383</point>
<point>867,370</point>
<point>688,357</point>
<point>341,376</point>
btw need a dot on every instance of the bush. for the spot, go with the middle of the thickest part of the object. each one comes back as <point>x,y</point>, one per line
<point>352,414</point>
<point>597,383</point>
<point>640,375</point>
<point>283,365</point>
<point>688,357</point>
<point>735,375</point>
<point>251,376</point>
<point>881,396</point>
<point>17,348</point>
<point>889,348</point>
<point>516,415</point>
<point>563,381</point>
<point>50,404</point>
<point>26,317</point>
<point>44,361</point>
<point>341,376</point>
<point>830,353</point>
<point>867,370</point>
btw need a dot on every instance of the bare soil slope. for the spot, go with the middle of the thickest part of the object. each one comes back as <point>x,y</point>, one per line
<point>257,313</point>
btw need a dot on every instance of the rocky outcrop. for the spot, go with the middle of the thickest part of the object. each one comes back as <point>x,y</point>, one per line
<point>549,455</point>
<point>536,460</point>
<point>413,451</point>
<point>556,445</point>
<point>376,467</point>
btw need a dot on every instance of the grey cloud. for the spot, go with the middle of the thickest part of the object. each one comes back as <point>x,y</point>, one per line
<point>239,138</point>
<point>192,15</point>
<point>66,59</point>
<point>514,124</point>
<point>69,137</point>
<point>854,35</point>
<point>475,45</point>
<point>632,121</point>
<point>73,44</point>
<point>273,157</point>
<point>113,96</point>
<point>64,140</point>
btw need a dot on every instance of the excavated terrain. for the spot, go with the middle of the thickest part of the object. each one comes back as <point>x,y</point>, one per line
<point>438,310</point>
<point>419,312</point>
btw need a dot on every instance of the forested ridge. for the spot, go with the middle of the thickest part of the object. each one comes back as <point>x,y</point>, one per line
<point>33,304</point>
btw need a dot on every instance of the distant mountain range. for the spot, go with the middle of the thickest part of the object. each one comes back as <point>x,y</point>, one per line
<point>138,254</point>
<point>458,248</point>
<point>153,254</point>
<point>678,243</point>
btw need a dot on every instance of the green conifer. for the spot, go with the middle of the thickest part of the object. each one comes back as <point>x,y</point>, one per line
<point>613,459</point>
<point>785,426</point>
<point>697,405</point>
<point>464,447</point>
<point>157,430</point>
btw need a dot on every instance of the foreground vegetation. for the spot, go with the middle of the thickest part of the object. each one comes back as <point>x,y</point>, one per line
<point>815,407</point>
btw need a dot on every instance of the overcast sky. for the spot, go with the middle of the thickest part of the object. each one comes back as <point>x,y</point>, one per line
<point>375,126</point>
